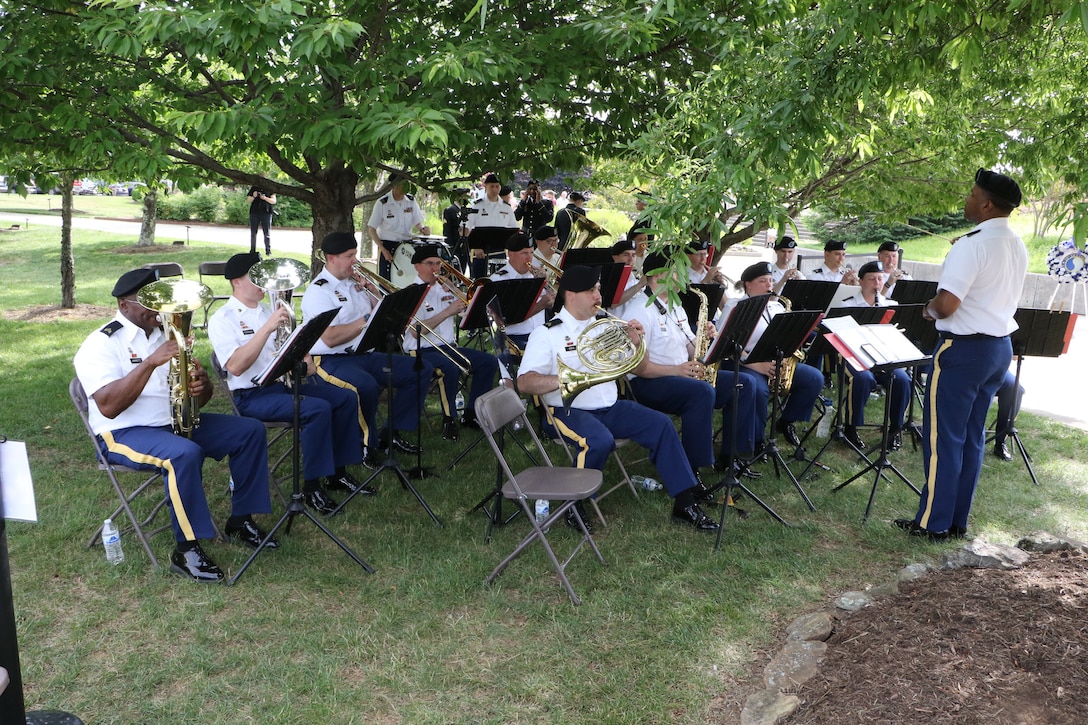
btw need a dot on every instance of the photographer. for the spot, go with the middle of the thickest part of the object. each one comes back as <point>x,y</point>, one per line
<point>534,211</point>
<point>260,215</point>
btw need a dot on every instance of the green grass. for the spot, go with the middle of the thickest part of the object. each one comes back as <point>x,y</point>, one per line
<point>307,637</point>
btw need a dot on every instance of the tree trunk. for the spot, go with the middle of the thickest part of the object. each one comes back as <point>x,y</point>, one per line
<point>147,224</point>
<point>67,260</point>
<point>334,200</point>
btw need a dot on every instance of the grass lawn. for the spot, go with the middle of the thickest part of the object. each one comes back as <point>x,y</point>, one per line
<point>307,637</point>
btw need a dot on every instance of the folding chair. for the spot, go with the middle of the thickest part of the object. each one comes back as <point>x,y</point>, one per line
<point>211,269</point>
<point>502,408</point>
<point>79,400</point>
<point>166,269</point>
<point>279,430</point>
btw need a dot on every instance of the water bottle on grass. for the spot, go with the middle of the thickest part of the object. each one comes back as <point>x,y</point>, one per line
<point>111,541</point>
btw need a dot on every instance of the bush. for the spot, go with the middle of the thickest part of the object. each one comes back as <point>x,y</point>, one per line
<point>289,212</point>
<point>204,205</point>
<point>866,231</point>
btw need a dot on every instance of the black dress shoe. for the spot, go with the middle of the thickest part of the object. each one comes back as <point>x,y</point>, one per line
<point>370,458</point>
<point>571,522</point>
<point>320,501</point>
<point>895,440</point>
<point>401,444</point>
<point>743,471</point>
<point>449,429</point>
<point>787,431</point>
<point>694,517</point>
<point>703,495</point>
<point>914,529</point>
<point>957,532</point>
<point>850,433</point>
<point>249,534</point>
<point>347,482</point>
<point>195,564</point>
<point>469,421</point>
<point>1001,449</point>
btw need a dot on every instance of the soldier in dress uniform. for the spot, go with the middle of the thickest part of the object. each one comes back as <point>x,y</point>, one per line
<point>394,220</point>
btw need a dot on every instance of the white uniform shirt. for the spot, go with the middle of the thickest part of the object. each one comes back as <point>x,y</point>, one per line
<point>394,219</point>
<point>327,292</point>
<point>556,341</point>
<point>823,274</point>
<point>527,326</point>
<point>667,330</point>
<point>698,277</point>
<point>859,301</point>
<point>773,308</point>
<point>777,274</point>
<point>232,326</point>
<point>492,214</point>
<point>437,299</point>
<point>110,353</point>
<point>889,286</point>
<point>985,269</point>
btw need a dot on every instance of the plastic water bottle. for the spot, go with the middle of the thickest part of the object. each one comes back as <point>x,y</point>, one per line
<point>111,541</point>
<point>646,484</point>
<point>459,402</point>
<point>823,430</point>
<point>230,484</point>
<point>543,508</point>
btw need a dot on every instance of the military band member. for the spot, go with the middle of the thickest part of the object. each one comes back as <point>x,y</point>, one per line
<point>394,220</point>
<point>565,217</point>
<point>438,312</point>
<point>596,417</point>
<point>533,210</point>
<point>834,268</point>
<point>519,265</point>
<point>490,212</point>
<point>888,255</point>
<point>641,238</point>
<point>547,247</point>
<point>242,332</point>
<point>336,354</point>
<point>623,252</point>
<point>784,269</point>
<point>123,369</point>
<point>861,383</point>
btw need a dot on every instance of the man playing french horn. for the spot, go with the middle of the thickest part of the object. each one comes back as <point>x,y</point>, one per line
<point>123,369</point>
<point>243,333</point>
<point>595,418</point>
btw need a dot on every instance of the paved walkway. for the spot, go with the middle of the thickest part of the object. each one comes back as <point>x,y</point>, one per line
<point>1053,387</point>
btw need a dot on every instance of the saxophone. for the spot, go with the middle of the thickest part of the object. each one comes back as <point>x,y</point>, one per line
<point>175,300</point>
<point>781,380</point>
<point>702,340</point>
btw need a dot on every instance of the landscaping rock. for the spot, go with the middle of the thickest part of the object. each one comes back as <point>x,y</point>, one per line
<point>980,554</point>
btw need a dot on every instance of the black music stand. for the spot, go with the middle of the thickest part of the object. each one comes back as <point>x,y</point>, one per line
<point>1042,333</point>
<point>784,335</point>
<point>810,294</point>
<point>419,472</point>
<point>914,292</point>
<point>714,294</point>
<point>291,360</point>
<point>910,318</point>
<point>490,239</point>
<point>729,346</point>
<point>590,257</point>
<point>875,356</point>
<point>386,324</point>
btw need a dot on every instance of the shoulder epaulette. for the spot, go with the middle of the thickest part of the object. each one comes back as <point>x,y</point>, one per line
<point>111,328</point>
<point>972,232</point>
<point>321,281</point>
<point>410,196</point>
<point>384,199</point>
<point>500,273</point>
<point>553,322</point>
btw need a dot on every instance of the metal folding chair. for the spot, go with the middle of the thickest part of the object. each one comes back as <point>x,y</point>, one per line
<point>496,411</point>
<point>211,269</point>
<point>167,269</point>
<point>135,526</point>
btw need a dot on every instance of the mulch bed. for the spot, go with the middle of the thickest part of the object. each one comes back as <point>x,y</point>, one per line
<point>963,646</point>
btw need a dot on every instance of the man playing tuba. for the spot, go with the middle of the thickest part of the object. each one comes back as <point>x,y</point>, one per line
<point>596,417</point>
<point>123,369</point>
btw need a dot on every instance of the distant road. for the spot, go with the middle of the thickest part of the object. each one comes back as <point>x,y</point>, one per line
<point>1052,384</point>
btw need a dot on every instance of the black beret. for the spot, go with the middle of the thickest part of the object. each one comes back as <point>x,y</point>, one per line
<point>425,251</point>
<point>834,245</point>
<point>754,271</point>
<point>622,246</point>
<point>338,242</point>
<point>697,245</point>
<point>654,260</point>
<point>888,247</point>
<point>492,179</point>
<point>635,231</point>
<point>576,196</point>
<point>545,232</point>
<point>869,268</point>
<point>998,186</point>
<point>129,282</point>
<point>579,278</point>
<point>239,265</point>
<point>519,241</point>
<point>786,242</point>
<point>504,190</point>
<point>531,182</point>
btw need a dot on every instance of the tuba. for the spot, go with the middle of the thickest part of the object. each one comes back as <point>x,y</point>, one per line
<point>278,276</point>
<point>607,350</point>
<point>781,380</point>
<point>583,231</point>
<point>176,300</point>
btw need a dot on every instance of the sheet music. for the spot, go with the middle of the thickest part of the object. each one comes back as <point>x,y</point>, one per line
<point>872,345</point>
<point>263,376</point>
<point>15,480</point>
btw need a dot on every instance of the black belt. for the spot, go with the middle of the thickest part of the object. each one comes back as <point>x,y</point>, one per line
<point>972,336</point>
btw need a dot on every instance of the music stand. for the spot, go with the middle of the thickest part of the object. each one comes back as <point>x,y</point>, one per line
<point>922,332</point>
<point>784,335</point>
<point>881,348</point>
<point>387,323</point>
<point>291,360</point>
<point>590,257</point>
<point>419,472</point>
<point>1042,333</point>
<point>914,291</point>
<point>490,239</point>
<point>810,294</point>
<point>714,294</point>
<point>729,344</point>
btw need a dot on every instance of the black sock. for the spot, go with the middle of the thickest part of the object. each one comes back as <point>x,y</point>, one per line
<point>341,471</point>
<point>310,485</point>
<point>684,499</point>
<point>235,520</point>
<point>187,545</point>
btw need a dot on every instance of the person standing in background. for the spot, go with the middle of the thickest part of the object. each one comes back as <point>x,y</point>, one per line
<point>260,216</point>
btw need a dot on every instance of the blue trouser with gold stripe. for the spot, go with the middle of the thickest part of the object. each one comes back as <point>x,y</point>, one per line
<point>693,401</point>
<point>965,374</point>
<point>181,461</point>
<point>485,367</point>
<point>860,383</point>
<point>593,434</point>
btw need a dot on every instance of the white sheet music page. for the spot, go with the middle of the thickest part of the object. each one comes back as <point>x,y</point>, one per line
<point>16,483</point>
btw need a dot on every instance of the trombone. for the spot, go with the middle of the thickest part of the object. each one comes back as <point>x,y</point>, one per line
<point>451,276</point>
<point>362,276</point>
<point>553,273</point>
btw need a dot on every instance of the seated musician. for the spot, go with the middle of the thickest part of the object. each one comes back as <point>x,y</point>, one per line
<point>596,417</point>
<point>623,252</point>
<point>547,246</point>
<point>336,355</point>
<point>641,238</point>
<point>807,380</point>
<point>242,332</point>
<point>674,382</point>
<point>861,384</point>
<point>888,255</point>
<point>834,268</point>
<point>519,265</point>
<point>440,306</point>
<point>123,369</point>
<point>784,269</point>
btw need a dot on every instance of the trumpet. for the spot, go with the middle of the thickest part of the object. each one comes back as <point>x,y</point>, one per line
<point>279,277</point>
<point>363,276</point>
<point>552,273</point>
